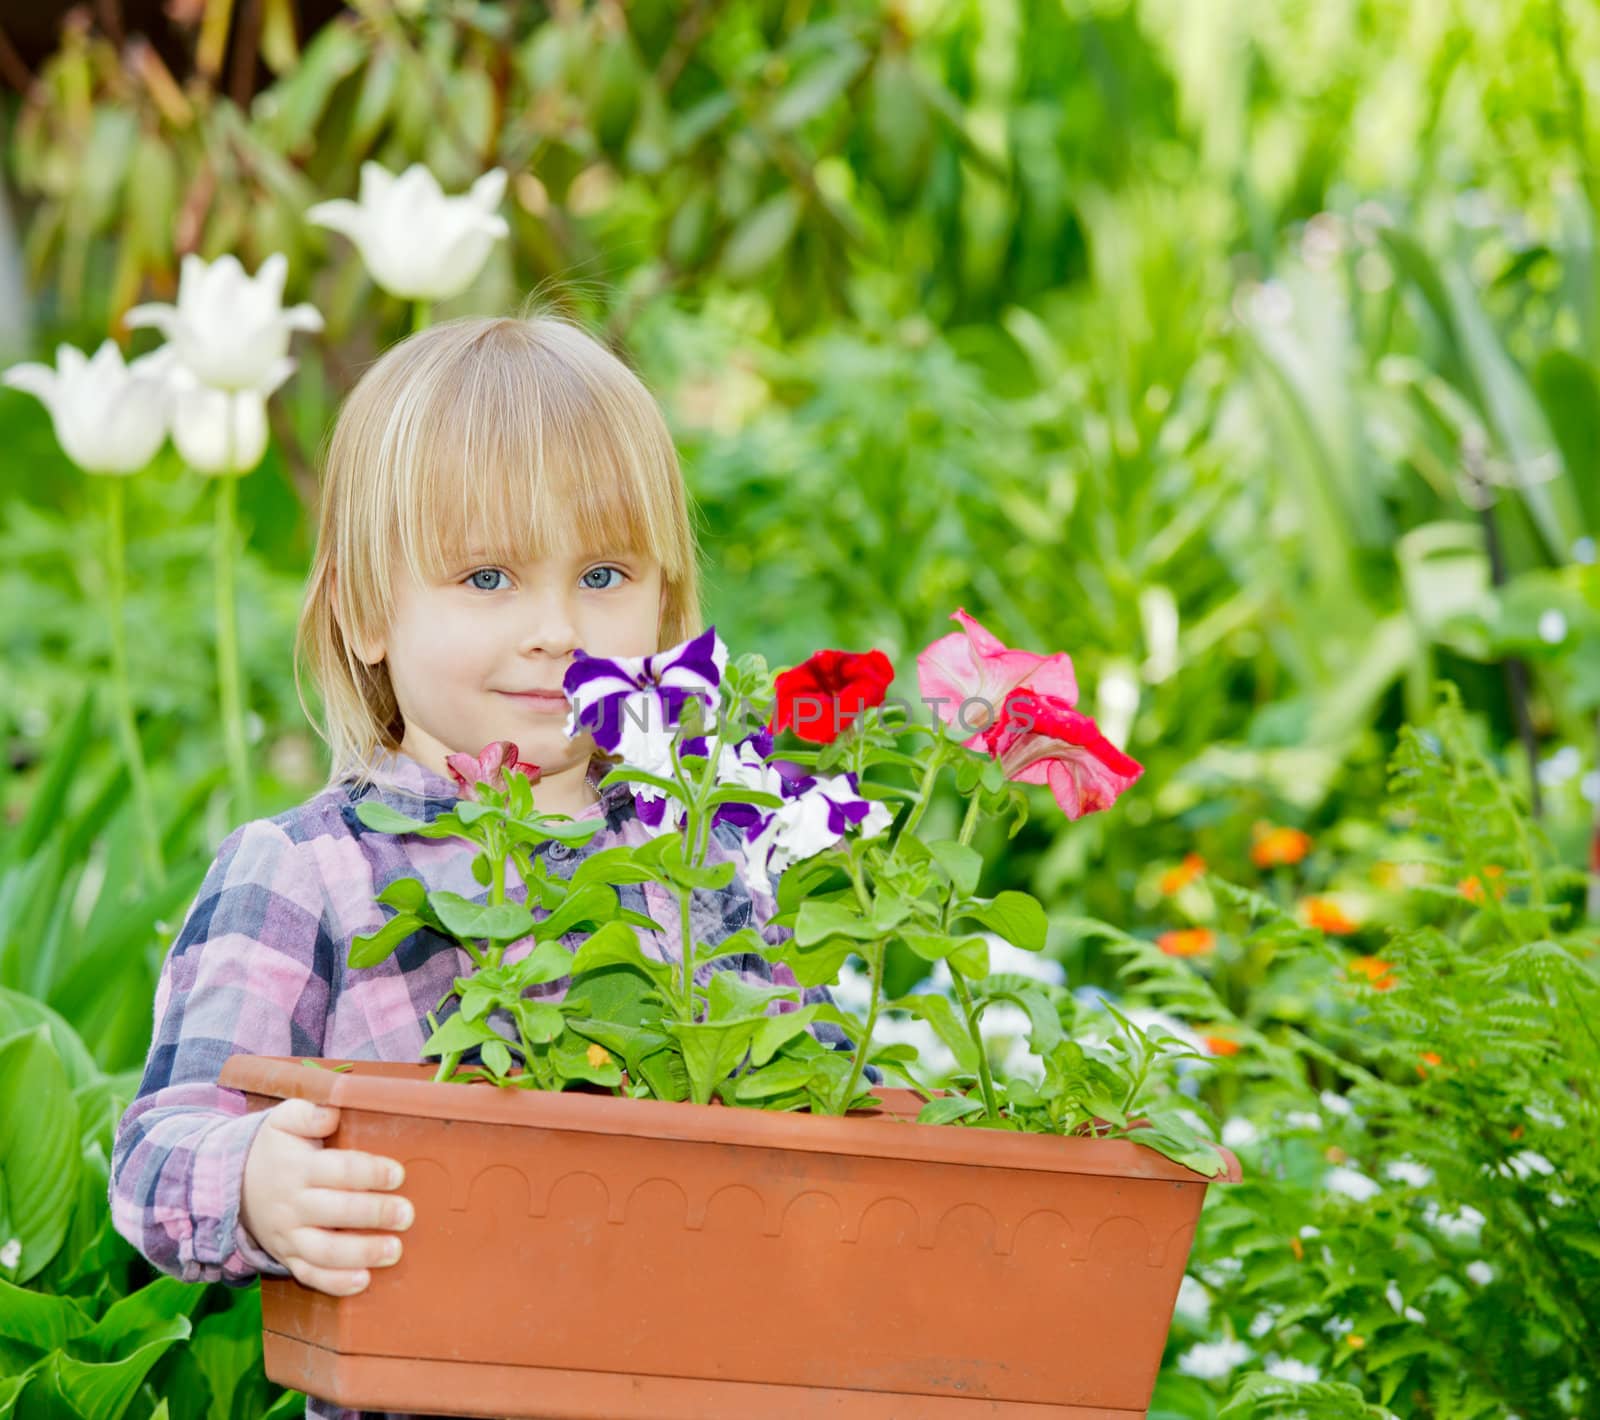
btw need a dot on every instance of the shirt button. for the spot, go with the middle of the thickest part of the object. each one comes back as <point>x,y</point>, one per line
<point>560,852</point>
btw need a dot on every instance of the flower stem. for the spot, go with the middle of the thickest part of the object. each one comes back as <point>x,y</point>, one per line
<point>924,792</point>
<point>229,680</point>
<point>421,315</point>
<point>875,953</point>
<point>127,725</point>
<point>985,1078</point>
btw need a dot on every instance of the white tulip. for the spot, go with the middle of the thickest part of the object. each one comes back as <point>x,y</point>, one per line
<point>230,329</point>
<point>419,244</point>
<point>109,417</point>
<point>220,431</point>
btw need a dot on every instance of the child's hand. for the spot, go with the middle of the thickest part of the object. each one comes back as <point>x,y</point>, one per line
<point>299,1200</point>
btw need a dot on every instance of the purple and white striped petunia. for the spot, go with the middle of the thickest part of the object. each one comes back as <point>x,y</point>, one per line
<point>632,706</point>
<point>817,814</point>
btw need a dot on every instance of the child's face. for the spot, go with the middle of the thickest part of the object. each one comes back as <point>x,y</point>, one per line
<point>462,644</point>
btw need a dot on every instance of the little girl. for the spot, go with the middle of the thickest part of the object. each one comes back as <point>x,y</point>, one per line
<point>498,494</point>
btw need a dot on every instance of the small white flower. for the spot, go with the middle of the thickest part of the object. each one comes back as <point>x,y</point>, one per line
<point>1412,1314</point>
<point>1239,1133</point>
<point>1263,1322</point>
<point>1480,1272</point>
<point>11,1254</point>
<point>1194,1302</point>
<point>108,417</point>
<point>1552,626</point>
<point>1211,1360</point>
<point>1583,551</point>
<point>1303,1119</point>
<point>1351,1183</point>
<point>417,243</point>
<point>1560,767</point>
<point>1467,1223</point>
<point>1336,1104</point>
<point>1287,1369</point>
<point>1311,1230</point>
<point>1528,1163</point>
<point>1409,1171</point>
<point>1337,1326</point>
<point>1391,1294</point>
<point>1558,1200</point>
<point>219,431</point>
<point>1589,786</point>
<point>231,330</point>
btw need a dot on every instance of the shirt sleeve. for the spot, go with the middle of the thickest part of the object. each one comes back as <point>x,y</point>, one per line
<point>249,973</point>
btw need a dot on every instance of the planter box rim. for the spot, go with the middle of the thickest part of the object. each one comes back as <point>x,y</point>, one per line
<point>286,1077</point>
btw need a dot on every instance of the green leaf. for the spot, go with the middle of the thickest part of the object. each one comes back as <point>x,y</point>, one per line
<point>549,961</point>
<point>20,1012</point>
<point>1015,916</point>
<point>40,1155</point>
<point>457,1034</point>
<point>950,1028</point>
<point>777,1031</point>
<point>38,1320</point>
<point>379,817</point>
<point>541,1021</point>
<point>594,902</point>
<point>497,922</point>
<point>370,950</point>
<point>617,945</point>
<point>818,921</point>
<point>497,1058</point>
<point>1043,1019</point>
<point>817,966</point>
<point>935,946</point>
<point>711,1050</point>
<point>404,895</point>
<point>962,864</point>
<point>745,796</point>
<point>949,1108</point>
<point>626,774</point>
<point>610,865</point>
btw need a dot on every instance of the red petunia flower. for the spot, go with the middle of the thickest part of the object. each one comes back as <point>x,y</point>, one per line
<point>1040,739</point>
<point>821,698</point>
<point>488,767</point>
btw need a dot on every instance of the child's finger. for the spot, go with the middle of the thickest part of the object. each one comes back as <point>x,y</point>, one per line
<point>333,1281</point>
<point>350,1168</point>
<point>342,1249</point>
<point>339,1208</point>
<point>305,1119</point>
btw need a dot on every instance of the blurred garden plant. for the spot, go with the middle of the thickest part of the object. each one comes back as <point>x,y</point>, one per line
<point>1419,1231</point>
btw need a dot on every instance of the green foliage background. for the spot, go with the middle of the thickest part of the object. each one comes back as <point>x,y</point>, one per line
<point>1248,350</point>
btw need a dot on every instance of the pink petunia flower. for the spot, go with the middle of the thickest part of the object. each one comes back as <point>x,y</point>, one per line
<point>1041,739</point>
<point>486,768</point>
<point>967,675</point>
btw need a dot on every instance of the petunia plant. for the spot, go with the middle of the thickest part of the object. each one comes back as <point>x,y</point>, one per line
<point>834,830</point>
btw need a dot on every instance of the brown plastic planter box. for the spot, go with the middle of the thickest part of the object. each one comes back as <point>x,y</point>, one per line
<point>590,1257</point>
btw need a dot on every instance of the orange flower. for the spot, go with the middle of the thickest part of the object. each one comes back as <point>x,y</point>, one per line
<point>1279,846</point>
<point>1220,1045</point>
<point>1471,888</point>
<point>598,1055</point>
<point>1428,1059</point>
<point>1176,879</point>
<point>1379,972</point>
<point>1335,1155</point>
<point>1516,1131</point>
<point>1187,941</point>
<point>1355,1342</point>
<point>1326,915</point>
<point>1299,1249</point>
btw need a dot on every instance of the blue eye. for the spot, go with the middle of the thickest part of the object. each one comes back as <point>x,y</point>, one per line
<point>473,581</point>
<point>609,585</point>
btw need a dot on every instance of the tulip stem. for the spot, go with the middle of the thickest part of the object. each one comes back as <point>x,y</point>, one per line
<point>127,725</point>
<point>421,315</point>
<point>228,676</point>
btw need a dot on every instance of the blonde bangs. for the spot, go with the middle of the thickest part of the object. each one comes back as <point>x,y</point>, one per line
<point>506,439</point>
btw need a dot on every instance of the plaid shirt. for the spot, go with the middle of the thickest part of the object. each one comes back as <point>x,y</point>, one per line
<point>259,967</point>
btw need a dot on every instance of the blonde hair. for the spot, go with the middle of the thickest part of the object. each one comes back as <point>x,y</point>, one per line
<point>514,432</point>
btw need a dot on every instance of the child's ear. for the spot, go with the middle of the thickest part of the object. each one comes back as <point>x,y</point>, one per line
<point>368,654</point>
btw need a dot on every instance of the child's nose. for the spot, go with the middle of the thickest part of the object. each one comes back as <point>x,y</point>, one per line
<point>550,628</point>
